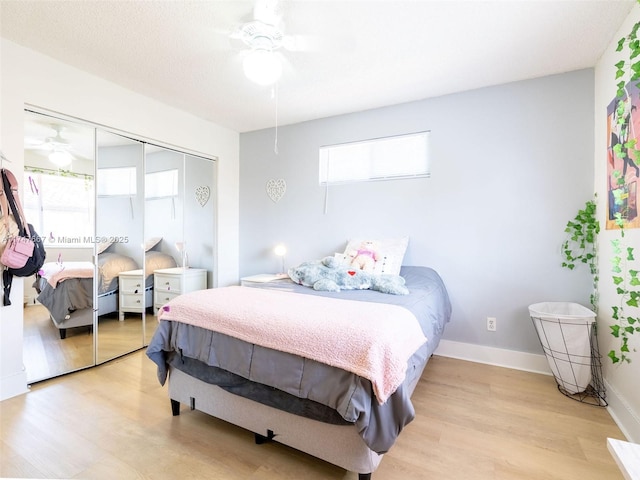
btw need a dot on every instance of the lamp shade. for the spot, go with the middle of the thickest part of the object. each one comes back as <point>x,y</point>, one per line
<point>61,158</point>
<point>261,66</point>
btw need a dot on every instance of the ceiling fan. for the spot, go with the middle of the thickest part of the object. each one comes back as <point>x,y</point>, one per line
<point>261,38</point>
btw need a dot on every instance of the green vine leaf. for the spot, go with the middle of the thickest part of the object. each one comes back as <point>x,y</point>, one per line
<point>625,346</point>
<point>615,330</point>
<point>613,357</point>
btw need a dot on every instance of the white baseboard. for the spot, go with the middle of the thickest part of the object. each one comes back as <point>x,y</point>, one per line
<point>529,362</point>
<point>618,408</point>
<point>13,385</point>
<point>622,414</point>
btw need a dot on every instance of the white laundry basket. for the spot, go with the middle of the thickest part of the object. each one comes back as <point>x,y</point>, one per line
<point>566,331</point>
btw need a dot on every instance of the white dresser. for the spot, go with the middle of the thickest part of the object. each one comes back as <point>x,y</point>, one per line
<point>168,283</point>
<point>131,292</point>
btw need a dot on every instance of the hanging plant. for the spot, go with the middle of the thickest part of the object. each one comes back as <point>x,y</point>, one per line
<point>581,247</point>
<point>623,262</point>
<point>627,284</point>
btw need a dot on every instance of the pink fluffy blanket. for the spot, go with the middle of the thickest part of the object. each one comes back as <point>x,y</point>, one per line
<point>373,340</point>
<point>58,272</point>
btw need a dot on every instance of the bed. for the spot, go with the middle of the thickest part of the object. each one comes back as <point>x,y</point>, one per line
<point>66,289</point>
<point>282,387</point>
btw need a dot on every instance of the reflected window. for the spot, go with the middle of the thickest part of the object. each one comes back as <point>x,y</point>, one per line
<point>60,204</point>
<point>117,181</point>
<point>161,184</point>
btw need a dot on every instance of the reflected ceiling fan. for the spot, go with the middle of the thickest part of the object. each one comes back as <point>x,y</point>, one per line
<point>57,148</point>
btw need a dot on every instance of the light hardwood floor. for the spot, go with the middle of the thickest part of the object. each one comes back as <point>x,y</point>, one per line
<point>46,355</point>
<point>472,421</point>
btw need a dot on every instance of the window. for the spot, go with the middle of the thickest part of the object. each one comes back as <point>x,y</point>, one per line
<point>402,156</point>
<point>161,184</point>
<point>118,181</point>
<point>60,206</point>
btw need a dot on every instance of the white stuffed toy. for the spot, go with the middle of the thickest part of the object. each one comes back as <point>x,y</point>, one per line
<point>330,275</point>
<point>365,256</point>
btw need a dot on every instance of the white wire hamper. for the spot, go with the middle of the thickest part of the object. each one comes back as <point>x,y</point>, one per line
<point>568,335</point>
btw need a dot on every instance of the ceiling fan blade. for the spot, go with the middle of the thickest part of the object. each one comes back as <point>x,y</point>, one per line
<point>303,43</point>
<point>32,143</point>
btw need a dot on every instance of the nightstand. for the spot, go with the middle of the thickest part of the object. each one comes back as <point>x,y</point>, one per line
<point>131,292</point>
<point>168,283</point>
<point>257,280</point>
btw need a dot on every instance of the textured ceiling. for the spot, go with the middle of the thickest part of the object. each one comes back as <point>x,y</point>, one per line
<point>355,55</point>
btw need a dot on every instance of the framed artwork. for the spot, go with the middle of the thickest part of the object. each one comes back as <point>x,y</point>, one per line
<point>623,166</point>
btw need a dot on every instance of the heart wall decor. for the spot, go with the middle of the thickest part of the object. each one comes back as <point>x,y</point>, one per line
<point>276,189</point>
<point>202,195</point>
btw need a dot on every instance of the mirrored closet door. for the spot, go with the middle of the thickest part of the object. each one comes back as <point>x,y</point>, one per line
<point>129,225</point>
<point>58,192</point>
<point>120,285</point>
<point>179,224</point>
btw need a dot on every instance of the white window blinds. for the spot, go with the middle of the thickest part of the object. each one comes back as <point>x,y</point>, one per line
<point>402,156</point>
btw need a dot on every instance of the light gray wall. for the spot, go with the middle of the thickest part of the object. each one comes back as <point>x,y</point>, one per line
<point>199,219</point>
<point>511,164</point>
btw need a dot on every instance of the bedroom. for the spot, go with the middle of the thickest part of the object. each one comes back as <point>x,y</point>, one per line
<point>492,228</point>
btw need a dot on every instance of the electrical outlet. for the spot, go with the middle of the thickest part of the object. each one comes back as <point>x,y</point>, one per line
<point>492,324</point>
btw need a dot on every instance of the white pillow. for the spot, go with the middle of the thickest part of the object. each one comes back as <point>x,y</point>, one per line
<point>377,256</point>
<point>152,242</point>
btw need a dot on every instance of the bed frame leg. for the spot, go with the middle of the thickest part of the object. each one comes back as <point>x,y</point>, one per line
<point>63,333</point>
<point>260,439</point>
<point>175,407</point>
<point>364,476</point>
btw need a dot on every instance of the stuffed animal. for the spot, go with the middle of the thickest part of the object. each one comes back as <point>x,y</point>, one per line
<point>365,256</point>
<point>330,275</point>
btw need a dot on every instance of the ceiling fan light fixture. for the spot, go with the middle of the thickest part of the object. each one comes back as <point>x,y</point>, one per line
<point>61,158</point>
<point>262,66</point>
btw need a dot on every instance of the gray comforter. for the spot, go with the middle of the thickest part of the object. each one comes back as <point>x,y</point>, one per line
<point>346,393</point>
<point>71,295</point>
<point>77,293</point>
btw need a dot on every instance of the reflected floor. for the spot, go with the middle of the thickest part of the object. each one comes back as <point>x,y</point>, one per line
<point>46,355</point>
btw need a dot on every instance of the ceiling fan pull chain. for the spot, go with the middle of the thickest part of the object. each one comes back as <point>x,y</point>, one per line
<point>274,93</point>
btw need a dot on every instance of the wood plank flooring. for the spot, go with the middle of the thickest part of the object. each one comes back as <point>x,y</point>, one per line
<point>473,421</point>
<point>46,355</point>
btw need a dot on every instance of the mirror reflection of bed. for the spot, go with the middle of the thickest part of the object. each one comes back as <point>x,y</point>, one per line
<point>117,209</point>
